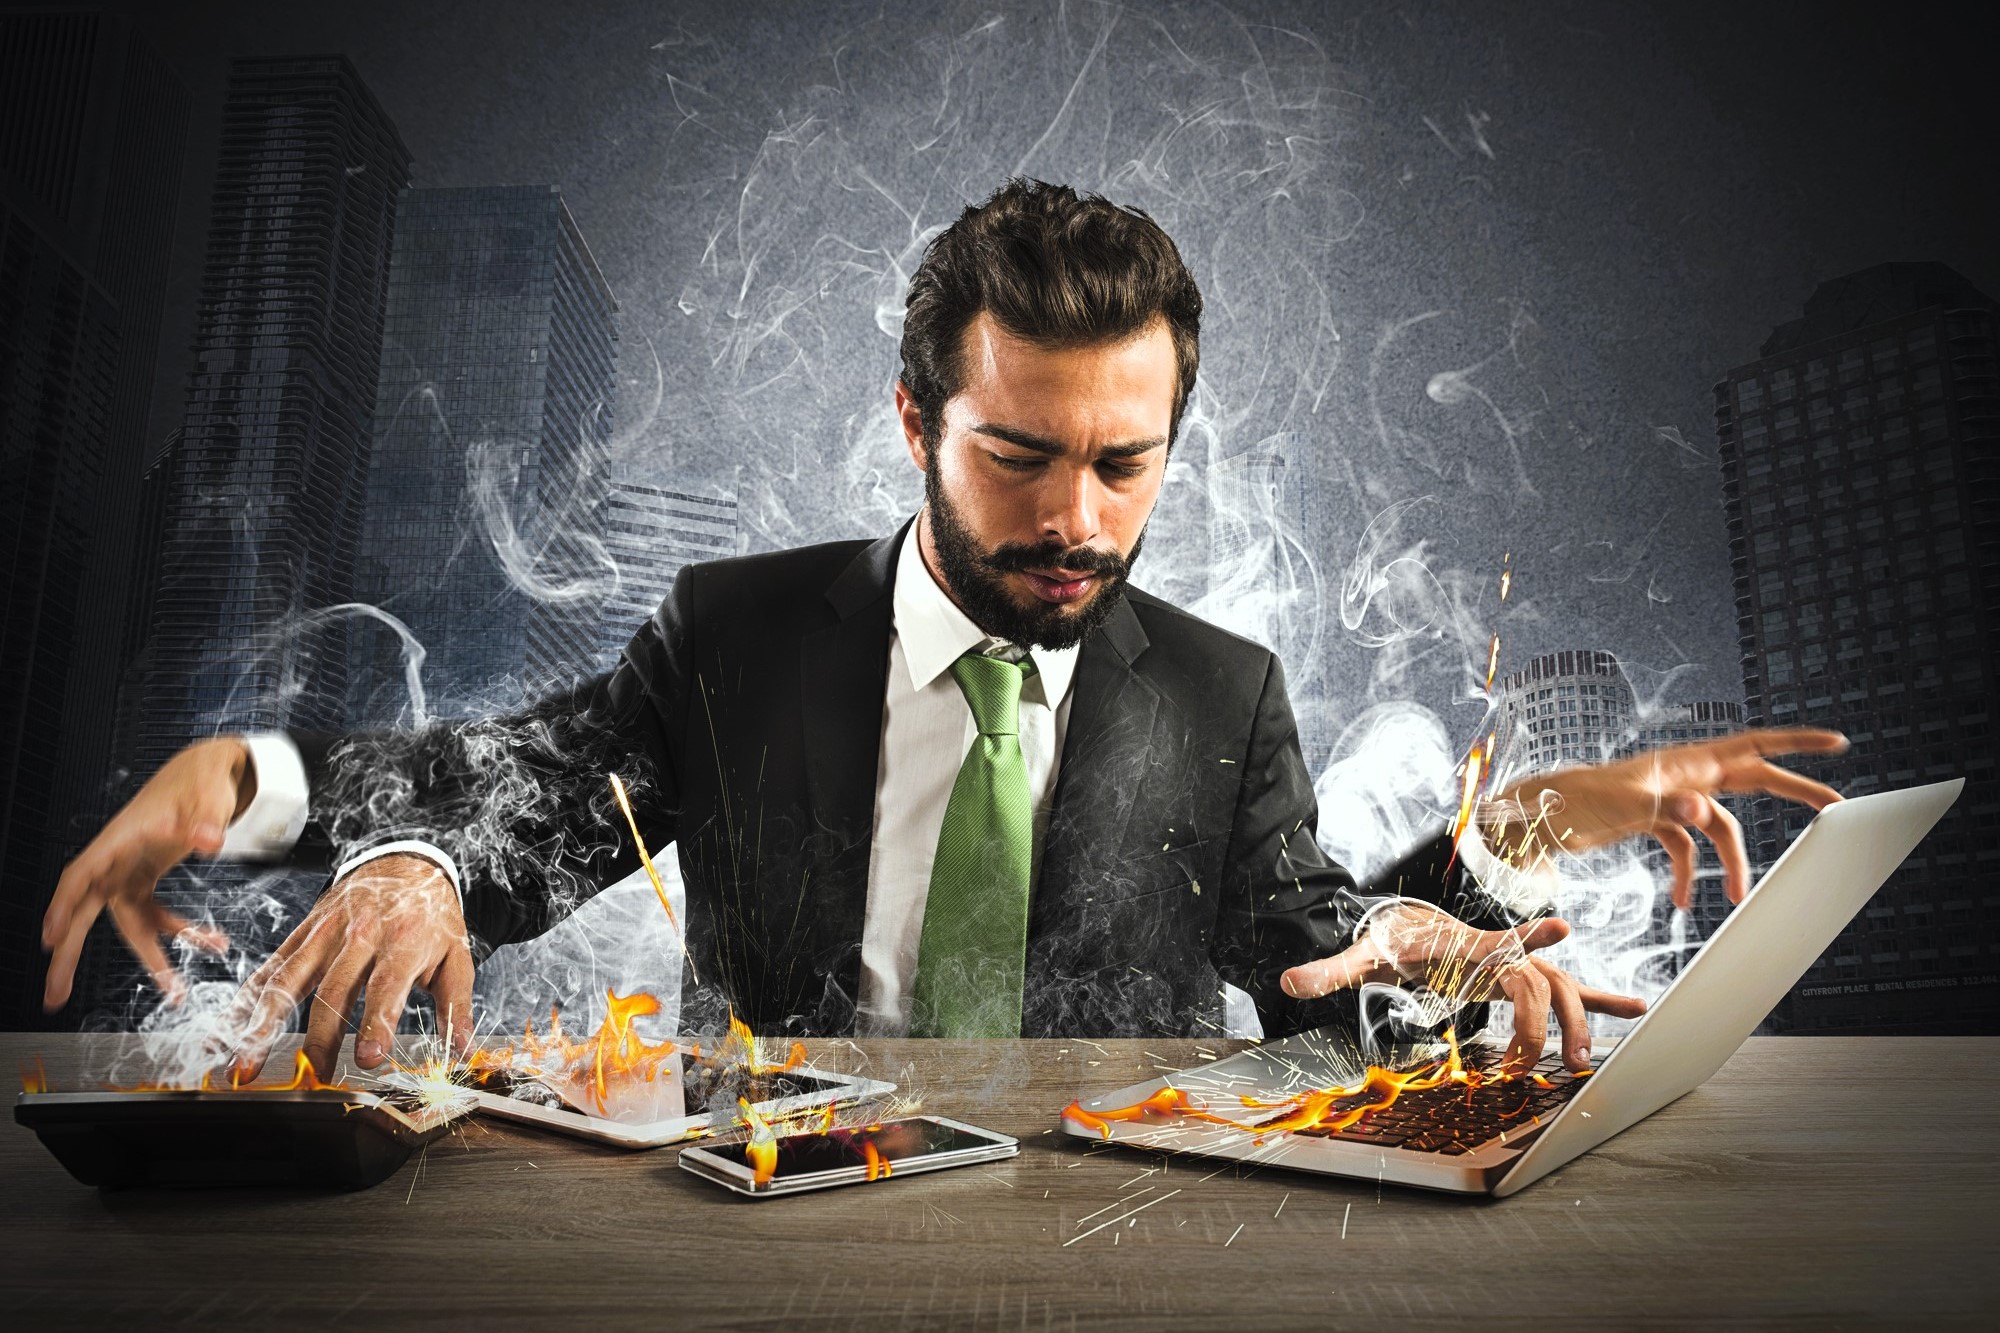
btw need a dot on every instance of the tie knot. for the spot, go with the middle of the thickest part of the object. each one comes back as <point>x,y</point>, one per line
<point>992,688</point>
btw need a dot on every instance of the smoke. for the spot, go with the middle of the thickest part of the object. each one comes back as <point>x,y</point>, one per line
<point>1358,416</point>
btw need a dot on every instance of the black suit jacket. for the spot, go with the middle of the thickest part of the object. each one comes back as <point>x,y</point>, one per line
<point>746,716</point>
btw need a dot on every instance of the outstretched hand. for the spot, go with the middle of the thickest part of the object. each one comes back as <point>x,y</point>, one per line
<point>182,811</point>
<point>1406,941</point>
<point>1666,794</point>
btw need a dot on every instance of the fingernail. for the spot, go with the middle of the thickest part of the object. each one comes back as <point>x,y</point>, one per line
<point>367,1052</point>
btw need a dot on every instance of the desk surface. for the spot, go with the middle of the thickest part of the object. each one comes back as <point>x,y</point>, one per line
<point>1813,1181</point>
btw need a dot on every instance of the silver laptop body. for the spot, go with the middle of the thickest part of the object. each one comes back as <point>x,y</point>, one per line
<point>1820,883</point>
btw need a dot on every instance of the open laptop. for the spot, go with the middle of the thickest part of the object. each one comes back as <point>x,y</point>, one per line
<point>1502,1136</point>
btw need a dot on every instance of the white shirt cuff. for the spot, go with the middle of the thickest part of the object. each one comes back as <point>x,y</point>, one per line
<point>410,846</point>
<point>1522,891</point>
<point>270,825</point>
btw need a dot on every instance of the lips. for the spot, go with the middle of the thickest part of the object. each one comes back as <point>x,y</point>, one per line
<point>1059,585</point>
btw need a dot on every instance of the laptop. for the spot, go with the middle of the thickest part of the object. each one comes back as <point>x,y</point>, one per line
<point>1454,1134</point>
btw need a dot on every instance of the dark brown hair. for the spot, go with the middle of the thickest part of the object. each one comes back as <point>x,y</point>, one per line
<point>1054,267</point>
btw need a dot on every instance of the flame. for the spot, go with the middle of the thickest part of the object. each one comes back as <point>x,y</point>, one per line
<point>762,1150</point>
<point>1314,1109</point>
<point>614,1052</point>
<point>304,1079</point>
<point>744,1040</point>
<point>34,1078</point>
<point>878,1165</point>
<point>646,860</point>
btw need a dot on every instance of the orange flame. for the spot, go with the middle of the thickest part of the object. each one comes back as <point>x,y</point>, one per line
<point>1315,1109</point>
<point>878,1165</point>
<point>614,1051</point>
<point>762,1150</point>
<point>34,1078</point>
<point>744,1040</point>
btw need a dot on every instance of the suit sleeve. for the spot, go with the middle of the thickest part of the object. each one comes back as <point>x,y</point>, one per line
<point>1286,902</point>
<point>521,801</point>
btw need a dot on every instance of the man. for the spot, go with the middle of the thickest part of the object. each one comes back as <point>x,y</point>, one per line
<point>961,780</point>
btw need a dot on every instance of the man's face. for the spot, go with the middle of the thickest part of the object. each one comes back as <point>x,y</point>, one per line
<point>1040,482</point>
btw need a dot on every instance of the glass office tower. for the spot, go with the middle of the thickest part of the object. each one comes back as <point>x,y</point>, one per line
<point>266,506</point>
<point>651,532</point>
<point>93,129</point>
<point>1862,487</point>
<point>486,485</point>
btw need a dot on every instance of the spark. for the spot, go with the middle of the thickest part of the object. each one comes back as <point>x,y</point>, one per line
<point>1345,1214</point>
<point>1120,1218</point>
<point>646,860</point>
<point>1234,1234</point>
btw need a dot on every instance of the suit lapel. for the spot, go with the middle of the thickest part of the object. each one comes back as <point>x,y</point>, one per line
<point>1105,750</point>
<point>843,676</point>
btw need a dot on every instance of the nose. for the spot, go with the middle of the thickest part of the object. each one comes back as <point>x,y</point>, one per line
<point>1074,506</point>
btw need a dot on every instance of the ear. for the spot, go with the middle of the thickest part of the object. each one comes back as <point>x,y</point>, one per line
<point>912,421</point>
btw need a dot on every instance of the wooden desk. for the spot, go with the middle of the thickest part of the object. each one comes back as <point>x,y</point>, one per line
<point>1813,1182</point>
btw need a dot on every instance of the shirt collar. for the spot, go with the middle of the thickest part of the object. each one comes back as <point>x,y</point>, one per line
<point>935,633</point>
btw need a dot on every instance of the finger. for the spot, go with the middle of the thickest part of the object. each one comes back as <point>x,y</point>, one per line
<point>1781,740</point>
<point>1610,1002</point>
<point>1681,852</point>
<point>1500,947</point>
<point>142,938</point>
<point>330,1010</point>
<point>1529,990</point>
<point>451,987</point>
<point>1785,784</point>
<point>1353,966</point>
<point>209,939</point>
<point>388,993</point>
<point>274,991</point>
<point>68,949</point>
<point>1726,834</point>
<point>78,882</point>
<point>1567,1003</point>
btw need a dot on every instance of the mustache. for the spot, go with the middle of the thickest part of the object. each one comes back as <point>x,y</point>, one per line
<point>1018,557</point>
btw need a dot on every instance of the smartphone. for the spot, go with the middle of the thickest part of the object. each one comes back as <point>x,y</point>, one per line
<point>851,1156</point>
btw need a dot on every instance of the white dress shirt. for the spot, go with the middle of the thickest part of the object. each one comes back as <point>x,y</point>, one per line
<point>927,728</point>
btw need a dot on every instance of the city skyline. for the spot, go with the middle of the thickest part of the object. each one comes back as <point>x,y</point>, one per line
<point>1287,498</point>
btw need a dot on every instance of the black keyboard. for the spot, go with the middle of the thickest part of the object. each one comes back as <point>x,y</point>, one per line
<point>1454,1119</point>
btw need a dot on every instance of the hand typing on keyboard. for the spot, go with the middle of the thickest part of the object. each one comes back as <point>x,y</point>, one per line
<point>1402,941</point>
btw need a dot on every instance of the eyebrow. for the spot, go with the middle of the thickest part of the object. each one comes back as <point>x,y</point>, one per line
<point>1055,448</point>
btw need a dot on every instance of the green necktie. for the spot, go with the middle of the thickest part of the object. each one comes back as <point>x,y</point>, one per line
<point>972,955</point>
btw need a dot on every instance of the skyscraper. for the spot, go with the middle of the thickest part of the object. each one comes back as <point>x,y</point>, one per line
<point>93,129</point>
<point>499,362</point>
<point>1862,491</point>
<point>651,533</point>
<point>267,500</point>
<point>1564,708</point>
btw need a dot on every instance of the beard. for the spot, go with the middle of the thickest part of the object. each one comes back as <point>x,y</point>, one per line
<point>977,578</point>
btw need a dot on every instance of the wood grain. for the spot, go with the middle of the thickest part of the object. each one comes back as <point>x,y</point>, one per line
<point>1813,1182</point>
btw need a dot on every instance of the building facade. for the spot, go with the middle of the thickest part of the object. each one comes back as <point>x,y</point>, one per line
<point>267,498</point>
<point>93,130</point>
<point>1861,483</point>
<point>1569,707</point>
<point>486,484</point>
<point>651,533</point>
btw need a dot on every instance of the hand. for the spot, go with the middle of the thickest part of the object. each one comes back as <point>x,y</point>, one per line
<point>182,811</point>
<point>390,924</point>
<point>1404,940</point>
<point>1663,793</point>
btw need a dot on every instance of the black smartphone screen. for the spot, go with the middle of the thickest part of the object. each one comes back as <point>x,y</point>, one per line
<point>894,1140</point>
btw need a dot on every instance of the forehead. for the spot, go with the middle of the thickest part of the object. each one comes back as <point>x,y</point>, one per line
<point>1128,383</point>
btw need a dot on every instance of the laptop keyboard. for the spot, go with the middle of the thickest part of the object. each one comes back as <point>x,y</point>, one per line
<point>1455,1119</point>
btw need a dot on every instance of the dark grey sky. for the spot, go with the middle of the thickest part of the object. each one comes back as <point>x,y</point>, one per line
<point>1483,261</point>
